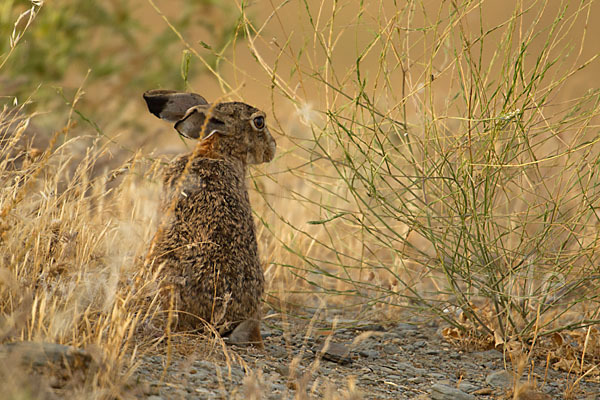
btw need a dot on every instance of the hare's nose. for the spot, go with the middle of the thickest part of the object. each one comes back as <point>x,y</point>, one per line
<point>270,150</point>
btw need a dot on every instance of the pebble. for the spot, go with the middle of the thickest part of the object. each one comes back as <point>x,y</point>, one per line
<point>489,354</point>
<point>61,365</point>
<point>502,378</point>
<point>467,387</point>
<point>443,392</point>
<point>369,353</point>
<point>406,327</point>
<point>436,375</point>
<point>335,352</point>
<point>387,370</point>
<point>40,354</point>
<point>371,327</point>
<point>391,349</point>
<point>415,346</point>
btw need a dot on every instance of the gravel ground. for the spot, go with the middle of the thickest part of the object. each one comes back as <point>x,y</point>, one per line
<point>301,361</point>
<point>404,361</point>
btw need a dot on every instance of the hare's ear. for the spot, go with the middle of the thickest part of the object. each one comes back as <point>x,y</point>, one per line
<point>192,125</point>
<point>171,105</point>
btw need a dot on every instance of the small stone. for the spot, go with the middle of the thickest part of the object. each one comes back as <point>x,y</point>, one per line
<point>391,349</point>
<point>467,387</point>
<point>436,375</point>
<point>416,345</point>
<point>467,365</point>
<point>277,352</point>
<point>489,354</point>
<point>267,333</point>
<point>407,368</point>
<point>282,370</point>
<point>154,397</point>
<point>203,391</point>
<point>387,370</point>
<point>422,396</point>
<point>502,378</point>
<point>406,327</point>
<point>41,354</point>
<point>369,353</point>
<point>370,378</point>
<point>278,388</point>
<point>370,327</point>
<point>443,392</point>
<point>335,352</point>
<point>203,364</point>
<point>58,362</point>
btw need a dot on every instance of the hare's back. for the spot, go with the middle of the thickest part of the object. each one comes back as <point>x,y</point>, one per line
<point>212,204</point>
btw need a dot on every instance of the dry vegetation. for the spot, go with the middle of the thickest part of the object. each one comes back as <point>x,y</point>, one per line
<point>438,159</point>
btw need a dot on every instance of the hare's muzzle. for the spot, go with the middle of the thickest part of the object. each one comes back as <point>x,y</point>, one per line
<point>269,152</point>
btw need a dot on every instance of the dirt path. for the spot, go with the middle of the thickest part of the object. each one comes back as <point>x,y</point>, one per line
<point>373,361</point>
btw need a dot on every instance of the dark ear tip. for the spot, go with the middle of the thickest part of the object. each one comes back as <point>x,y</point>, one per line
<point>156,101</point>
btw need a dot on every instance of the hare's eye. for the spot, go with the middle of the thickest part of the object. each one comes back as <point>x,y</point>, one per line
<point>259,123</point>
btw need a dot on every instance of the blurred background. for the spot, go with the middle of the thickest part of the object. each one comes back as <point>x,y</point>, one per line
<point>115,50</point>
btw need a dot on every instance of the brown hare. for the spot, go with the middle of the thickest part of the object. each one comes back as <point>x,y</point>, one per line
<point>206,243</point>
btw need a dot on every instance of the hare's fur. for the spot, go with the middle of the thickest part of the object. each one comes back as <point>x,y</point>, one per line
<point>206,244</point>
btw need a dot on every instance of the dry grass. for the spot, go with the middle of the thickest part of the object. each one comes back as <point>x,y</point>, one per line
<point>431,159</point>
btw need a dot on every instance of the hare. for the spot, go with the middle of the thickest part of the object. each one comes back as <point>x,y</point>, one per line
<point>206,244</point>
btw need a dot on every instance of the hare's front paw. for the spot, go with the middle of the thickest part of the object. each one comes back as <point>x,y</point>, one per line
<point>247,333</point>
